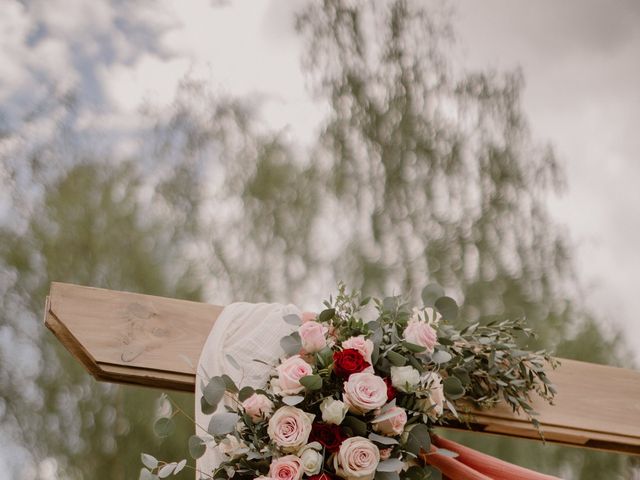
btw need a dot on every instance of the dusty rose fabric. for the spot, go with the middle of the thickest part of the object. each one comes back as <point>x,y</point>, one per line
<point>473,465</point>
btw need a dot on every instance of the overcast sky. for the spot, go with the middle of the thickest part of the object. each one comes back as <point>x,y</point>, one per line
<point>581,62</point>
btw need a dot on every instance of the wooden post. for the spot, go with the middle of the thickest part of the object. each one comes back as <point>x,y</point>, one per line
<point>156,342</point>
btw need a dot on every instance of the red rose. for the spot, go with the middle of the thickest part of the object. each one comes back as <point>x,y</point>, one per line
<point>349,361</point>
<point>391,392</point>
<point>330,436</point>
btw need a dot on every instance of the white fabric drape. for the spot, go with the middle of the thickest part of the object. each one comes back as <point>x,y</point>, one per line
<point>244,331</point>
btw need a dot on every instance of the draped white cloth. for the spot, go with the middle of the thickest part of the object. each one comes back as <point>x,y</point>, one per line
<point>244,331</point>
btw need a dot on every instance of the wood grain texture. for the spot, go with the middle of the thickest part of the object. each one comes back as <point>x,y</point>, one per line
<point>156,342</point>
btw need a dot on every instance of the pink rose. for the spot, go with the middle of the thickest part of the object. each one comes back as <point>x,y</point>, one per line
<point>289,428</point>
<point>288,467</point>
<point>393,423</point>
<point>313,337</point>
<point>357,459</point>
<point>419,332</point>
<point>258,406</point>
<point>361,344</point>
<point>290,372</point>
<point>364,392</point>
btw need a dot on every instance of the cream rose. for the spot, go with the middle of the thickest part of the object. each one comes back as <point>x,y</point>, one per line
<point>419,331</point>
<point>433,403</point>
<point>364,392</point>
<point>289,374</point>
<point>333,411</point>
<point>311,458</point>
<point>394,422</point>
<point>289,428</point>
<point>313,336</point>
<point>258,406</point>
<point>357,459</point>
<point>404,378</point>
<point>288,467</point>
<point>361,344</point>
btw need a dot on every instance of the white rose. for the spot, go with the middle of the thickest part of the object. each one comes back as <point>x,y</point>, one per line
<point>333,411</point>
<point>357,459</point>
<point>404,378</point>
<point>311,458</point>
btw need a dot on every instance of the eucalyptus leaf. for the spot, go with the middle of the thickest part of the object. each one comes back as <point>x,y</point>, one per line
<point>387,476</point>
<point>291,344</point>
<point>292,400</point>
<point>396,359</point>
<point>453,388</point>
<point>293,319</point>
<point>311,382</point>
<point>222,423</point>
<point>447,453</point>
<point>245,393</point>
<point>448,308</point>
<point>167,470</point>
<point>326,315</point>
<point>149,461</point>
<point>431,293</point>
<point>163,427</point>
<point>146,475</point>
<point>412,347</point>
<point>390,304</point>
<point>325,356</point>
<point>181,464</point>
<point>229,384</point>
<point>358,427</point>
<point>214,391</point>
<point>205,407</point>
<point>391,465</point>
<point>381,439</point>
<point>197,447</point>
<point>441,356</point>
<point>418,439</point>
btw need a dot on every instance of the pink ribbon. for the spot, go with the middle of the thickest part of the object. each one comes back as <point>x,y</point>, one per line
<point>473,465</point>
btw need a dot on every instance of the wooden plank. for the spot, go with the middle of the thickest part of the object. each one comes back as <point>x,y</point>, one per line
<point>153,341</point>
<point>131,338</point>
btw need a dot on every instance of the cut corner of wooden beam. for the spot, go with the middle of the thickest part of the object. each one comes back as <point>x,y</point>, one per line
<point>70,342</point>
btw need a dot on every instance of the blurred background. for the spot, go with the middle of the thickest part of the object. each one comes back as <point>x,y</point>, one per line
<point>265,149</point>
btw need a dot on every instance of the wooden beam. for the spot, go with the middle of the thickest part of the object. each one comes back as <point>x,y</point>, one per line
<point>156,342</point>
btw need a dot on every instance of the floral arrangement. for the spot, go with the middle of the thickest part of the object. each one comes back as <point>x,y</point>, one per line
<point>358,399</point>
